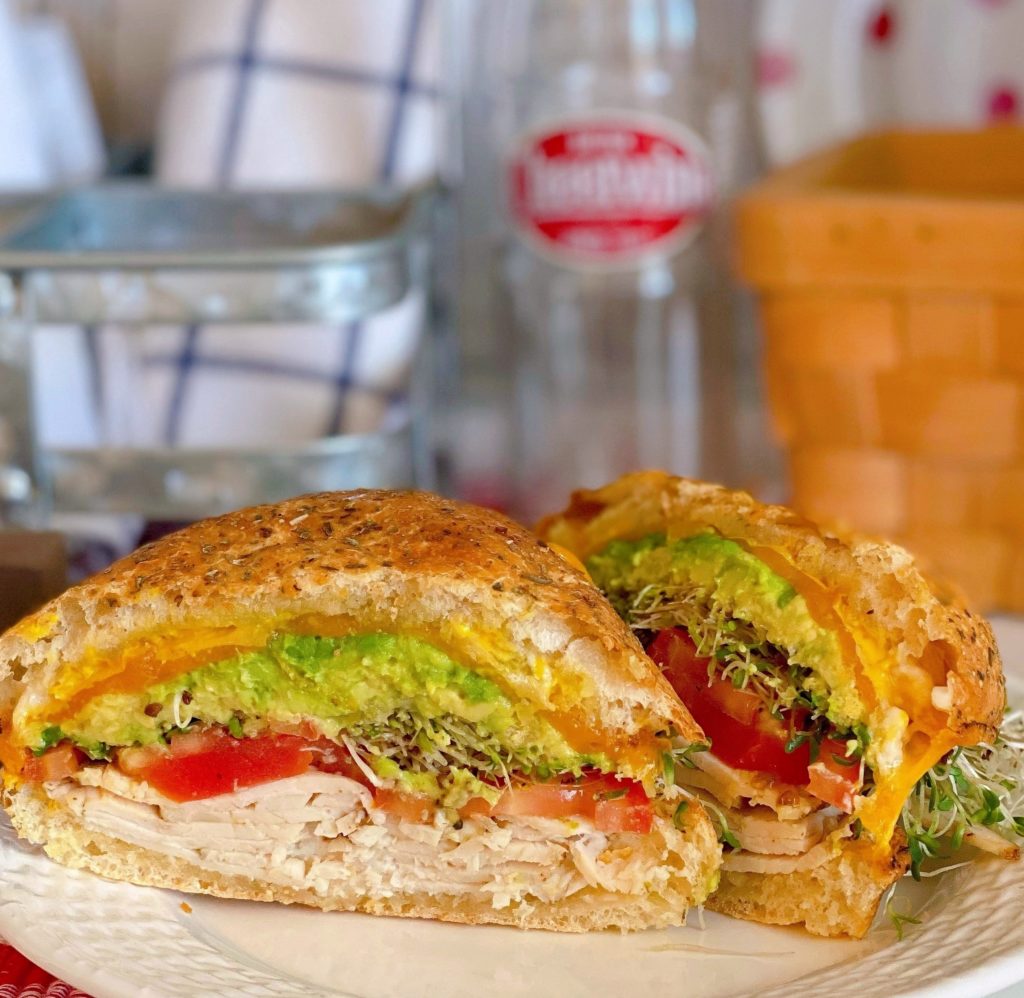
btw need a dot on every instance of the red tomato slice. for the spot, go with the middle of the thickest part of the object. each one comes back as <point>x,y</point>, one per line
<point>330,757</point>
<point>747,736</point>
<point>833,781</point>
<point>743,733</point>
<point>744,706</point>
<point>546,800</point>
<point>613,804</point>
<point>618,812</point>
<point>474,807</point>
<point>57,763</point>
<point>408,807</point>
<point>202,764</point>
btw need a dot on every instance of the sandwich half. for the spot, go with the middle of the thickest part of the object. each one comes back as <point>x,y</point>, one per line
<point>838,689</point>
<point>368,701</point>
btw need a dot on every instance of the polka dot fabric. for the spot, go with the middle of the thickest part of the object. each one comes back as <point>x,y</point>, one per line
<point>828,69</point>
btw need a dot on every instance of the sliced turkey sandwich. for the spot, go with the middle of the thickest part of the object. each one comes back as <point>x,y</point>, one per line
<point>367,701</point>
<point>836,688</point>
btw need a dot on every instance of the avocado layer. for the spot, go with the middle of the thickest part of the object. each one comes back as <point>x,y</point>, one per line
<point>711,571</point>
<point>378,689</point>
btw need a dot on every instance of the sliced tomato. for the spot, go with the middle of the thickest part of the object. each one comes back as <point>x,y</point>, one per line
<point>408,807</point>
<point>742,731</point>
<point>546,800</point>
<point>330,757</point>
<point>745,735</point>
<point>613,804</point>
<point>836,777</point>
<point>12,757</point>
<point>475,807</point>
<point>56,763</point>
<point>744,706</point>
<point>201,764</point>
<point>631,811</point>
<point>185,743</point>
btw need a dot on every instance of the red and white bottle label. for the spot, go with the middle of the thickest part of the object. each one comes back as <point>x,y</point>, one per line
<point>610,190</point>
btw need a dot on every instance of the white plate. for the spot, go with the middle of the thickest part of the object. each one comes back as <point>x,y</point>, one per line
<point>116,940</point>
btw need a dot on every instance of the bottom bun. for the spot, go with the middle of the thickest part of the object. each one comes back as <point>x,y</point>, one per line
<point>838,898</point>
<point>67,840</point>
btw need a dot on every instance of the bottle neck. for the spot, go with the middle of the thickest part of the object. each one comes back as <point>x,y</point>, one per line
<point>569,55</point>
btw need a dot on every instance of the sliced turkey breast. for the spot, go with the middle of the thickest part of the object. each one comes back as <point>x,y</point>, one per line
<point>760,830</point>
<point>320,831</point>
<point>742,861</point>
<point>736,787</point>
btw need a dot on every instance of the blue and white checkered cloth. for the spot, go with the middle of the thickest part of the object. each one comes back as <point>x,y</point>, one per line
<point>264,94</point>
<point>302,93</point>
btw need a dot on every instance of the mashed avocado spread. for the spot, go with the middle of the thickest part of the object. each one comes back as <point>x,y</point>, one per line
<point>729,599</point>
<point>419,715</point>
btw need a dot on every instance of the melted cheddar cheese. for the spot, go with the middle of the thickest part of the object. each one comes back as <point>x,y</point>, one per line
<point>558,694</point>
<point>909,734</point>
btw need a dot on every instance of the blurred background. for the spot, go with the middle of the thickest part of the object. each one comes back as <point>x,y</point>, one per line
<point>508,248</point>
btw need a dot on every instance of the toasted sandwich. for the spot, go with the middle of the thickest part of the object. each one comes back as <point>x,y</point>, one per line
<point>840,691</point>
<point>368,701</point>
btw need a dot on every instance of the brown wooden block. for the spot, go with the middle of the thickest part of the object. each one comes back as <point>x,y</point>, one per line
<point>950,417</point>
<point>1009,321</point>
<point>1004,503</point>
<point>1012,598</point>
<point>953,494</point>
<point>831,330</point>
<point>834,407</point>
<point>956,334</point>
<point>860,489</point>
<point>33,569</point>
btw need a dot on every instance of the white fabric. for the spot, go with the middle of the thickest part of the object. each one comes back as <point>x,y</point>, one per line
<point>289,94</point>
<point>828,69</point>
<point>320,93</point>
<point>297,93</point>
<point>49,134</point>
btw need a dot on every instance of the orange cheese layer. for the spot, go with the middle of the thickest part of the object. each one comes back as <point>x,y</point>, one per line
<point>922,750</point>
<point>821,605</point>
<point>927,738</point>
<point>142,667</point>
<point>161,656</point>
<point>12,758</point>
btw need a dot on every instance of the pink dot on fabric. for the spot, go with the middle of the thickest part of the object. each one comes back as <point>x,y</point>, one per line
<point>882,26</point>
<point>1003,103</point>
<point>775,68</point>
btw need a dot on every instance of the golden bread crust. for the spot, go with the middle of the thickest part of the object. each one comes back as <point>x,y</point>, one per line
<point>393,559</point>
<point>878,580</point>
<point>838,898</point>
<point>407,561</point>
<point>68,841</point>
